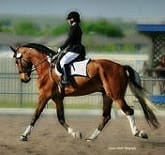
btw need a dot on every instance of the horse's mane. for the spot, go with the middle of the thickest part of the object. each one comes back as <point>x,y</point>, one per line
<point>40,48</point>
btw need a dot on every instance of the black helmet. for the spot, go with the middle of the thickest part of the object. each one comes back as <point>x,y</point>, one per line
<point>75,15</point>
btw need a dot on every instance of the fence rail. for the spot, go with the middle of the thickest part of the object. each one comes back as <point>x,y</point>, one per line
<point>14,93</point>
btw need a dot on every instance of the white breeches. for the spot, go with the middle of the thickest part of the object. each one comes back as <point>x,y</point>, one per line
<point>67,58</point>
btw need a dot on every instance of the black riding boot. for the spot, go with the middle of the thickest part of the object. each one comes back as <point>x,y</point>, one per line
<point>66,75</point>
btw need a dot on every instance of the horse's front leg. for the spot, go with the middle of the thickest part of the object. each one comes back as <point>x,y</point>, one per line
<point>107,105</point>
<point>40,106</point>
<point>61,118</point>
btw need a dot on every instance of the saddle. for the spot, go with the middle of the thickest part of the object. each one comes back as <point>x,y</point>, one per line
<point>77,68</point>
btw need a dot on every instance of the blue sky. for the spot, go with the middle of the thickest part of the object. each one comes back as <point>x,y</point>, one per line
<point>88,8</point>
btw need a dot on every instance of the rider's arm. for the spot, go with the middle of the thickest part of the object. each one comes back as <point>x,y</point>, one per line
<point>69,39</point>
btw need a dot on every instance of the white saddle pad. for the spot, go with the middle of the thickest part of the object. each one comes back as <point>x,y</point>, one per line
<point>77,68</point>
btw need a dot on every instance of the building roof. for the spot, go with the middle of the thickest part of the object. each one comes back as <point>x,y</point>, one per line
<point>151,27</point>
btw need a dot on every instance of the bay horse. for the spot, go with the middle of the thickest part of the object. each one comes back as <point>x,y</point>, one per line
<point>105,76</point>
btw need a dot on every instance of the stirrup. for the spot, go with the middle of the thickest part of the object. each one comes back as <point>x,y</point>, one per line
<point>63,82</point>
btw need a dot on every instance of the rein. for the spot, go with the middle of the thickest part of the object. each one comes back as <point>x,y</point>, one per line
<point>36,65</point>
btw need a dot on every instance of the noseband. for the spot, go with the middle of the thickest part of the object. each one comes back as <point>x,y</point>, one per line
<point>22,63</point>
<point>29,66</point>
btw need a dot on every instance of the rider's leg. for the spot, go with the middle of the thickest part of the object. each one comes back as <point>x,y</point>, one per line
<point>66,59</point>
<point>66,75</point>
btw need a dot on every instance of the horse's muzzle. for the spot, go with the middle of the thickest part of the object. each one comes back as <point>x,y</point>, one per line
<point>24,77</point>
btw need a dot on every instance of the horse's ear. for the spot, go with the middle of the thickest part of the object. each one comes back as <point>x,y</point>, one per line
<point>14,50</point>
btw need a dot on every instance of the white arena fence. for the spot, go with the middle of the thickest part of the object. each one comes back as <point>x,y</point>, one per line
<point>14,93</point>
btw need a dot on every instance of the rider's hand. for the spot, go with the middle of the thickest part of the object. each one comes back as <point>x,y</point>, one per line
<point>59,50</point>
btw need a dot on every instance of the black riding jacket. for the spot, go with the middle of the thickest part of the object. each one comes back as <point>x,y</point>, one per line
<point>73,41</point>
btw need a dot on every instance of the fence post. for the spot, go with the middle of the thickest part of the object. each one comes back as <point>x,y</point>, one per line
<point>21,95</point>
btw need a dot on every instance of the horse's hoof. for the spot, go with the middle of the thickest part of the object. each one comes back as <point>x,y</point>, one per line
<point>88,139</point>
<point>23,138</point>
<point>142,134</point>
<point>93,136</point>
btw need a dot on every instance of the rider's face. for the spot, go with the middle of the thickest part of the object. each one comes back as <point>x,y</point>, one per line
<point>70,21</point>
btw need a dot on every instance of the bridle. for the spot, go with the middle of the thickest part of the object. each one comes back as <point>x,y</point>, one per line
<point>22,63</point>
<point>26,66</point>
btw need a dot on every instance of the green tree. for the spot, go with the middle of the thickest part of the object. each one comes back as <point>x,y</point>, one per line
<point>5,25</point>
<point>103,27</point>
<point>60,29</point>
<point>27,28</point>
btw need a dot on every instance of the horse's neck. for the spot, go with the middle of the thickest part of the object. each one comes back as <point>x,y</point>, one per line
<point>41,65</point>
<point>44,69</point>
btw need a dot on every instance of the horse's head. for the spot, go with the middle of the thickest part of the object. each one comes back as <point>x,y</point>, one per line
<point>23,63</point>
<point>31,57</point>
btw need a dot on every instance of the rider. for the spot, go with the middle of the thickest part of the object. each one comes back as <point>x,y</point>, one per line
<point>73,46</point>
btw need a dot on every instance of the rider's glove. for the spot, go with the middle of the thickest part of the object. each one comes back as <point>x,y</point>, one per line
<point>56,55</point>
<point>59,50</point>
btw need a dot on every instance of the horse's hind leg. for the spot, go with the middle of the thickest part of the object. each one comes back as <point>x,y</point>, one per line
<point>107,105</point>
<point>129,112</point>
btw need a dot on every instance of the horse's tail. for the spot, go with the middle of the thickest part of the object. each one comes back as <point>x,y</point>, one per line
<point>140,94</point>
